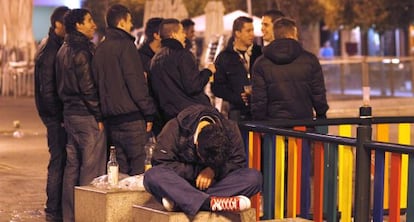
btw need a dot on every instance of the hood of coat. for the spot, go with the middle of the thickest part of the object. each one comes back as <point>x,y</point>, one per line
<point>189,118</point>
<point>283,51</point>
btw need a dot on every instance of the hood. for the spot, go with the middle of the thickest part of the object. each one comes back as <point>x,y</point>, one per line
<point>189,118</point>
<point>283,51</point>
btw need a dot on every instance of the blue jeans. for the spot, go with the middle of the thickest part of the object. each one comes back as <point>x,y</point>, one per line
<point>161,182</point>
<point>56,141</point>
<point>129,139</point>
<point>86,158</point>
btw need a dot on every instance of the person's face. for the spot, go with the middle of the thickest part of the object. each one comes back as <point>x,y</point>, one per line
<point>126,24</point>
<point>87,27</point>
<point>180,35</point>
<point>60,29</point>
<point>246,35</point>
<point>267,29</point>
<point>190,32</point>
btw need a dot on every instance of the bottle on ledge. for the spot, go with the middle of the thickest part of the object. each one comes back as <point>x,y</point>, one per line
<point>112,168</point>
<point>149,148</point>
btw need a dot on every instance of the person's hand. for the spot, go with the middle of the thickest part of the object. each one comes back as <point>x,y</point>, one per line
<point>149,127</point>
<point>212,68</point>
<point>101,126</point>
<point>205,178</point>
<point>245,98</point>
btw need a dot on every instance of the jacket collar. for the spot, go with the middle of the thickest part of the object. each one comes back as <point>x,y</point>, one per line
<point>77,39</point>
<point>116,33</point>
<point>171,43</point>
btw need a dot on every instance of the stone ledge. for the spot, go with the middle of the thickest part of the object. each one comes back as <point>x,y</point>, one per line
<point>99,205</point>
<point>152,211</point>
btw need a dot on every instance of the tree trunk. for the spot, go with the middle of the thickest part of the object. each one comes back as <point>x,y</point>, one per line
<point>309,36</point>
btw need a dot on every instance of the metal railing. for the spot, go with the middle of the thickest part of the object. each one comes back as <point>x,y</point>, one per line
<point>273,145</point>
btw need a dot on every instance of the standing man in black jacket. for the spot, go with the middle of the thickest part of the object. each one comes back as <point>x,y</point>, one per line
<point>126,106</point>
<point>200,164</point>
<point>86,148</point>
<point>287,81</point>
<point>50,109</point>
<point>232,80</point>
<point>175,78</point>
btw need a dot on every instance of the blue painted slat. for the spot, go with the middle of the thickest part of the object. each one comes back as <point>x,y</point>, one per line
<point>305,180</point>
<point>268,157</point>
<point>378,211</point>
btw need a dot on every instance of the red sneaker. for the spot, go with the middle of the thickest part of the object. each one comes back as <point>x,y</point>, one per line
<point>236,203</point>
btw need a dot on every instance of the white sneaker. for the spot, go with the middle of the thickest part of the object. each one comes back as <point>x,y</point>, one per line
<point>236,203</point>
<point>168,204</point>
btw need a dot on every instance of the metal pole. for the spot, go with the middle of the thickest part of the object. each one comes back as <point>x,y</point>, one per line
<point>249,7</point>
<point>363,167</point>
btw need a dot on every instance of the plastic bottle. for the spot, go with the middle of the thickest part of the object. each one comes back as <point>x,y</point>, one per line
<point>113,168</point>
<point>149,148</point>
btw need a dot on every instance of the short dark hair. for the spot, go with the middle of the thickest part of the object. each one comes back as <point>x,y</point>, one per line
<point>74,16</point>
<point>274,14</point>
<point>57,15</point>
<point>115,14</point>
<point>152,26</point>
<point>284,28</point>
<point>168,26</point>
<point>239,23</point>
<point>213,145</point>
<point>187,23</point>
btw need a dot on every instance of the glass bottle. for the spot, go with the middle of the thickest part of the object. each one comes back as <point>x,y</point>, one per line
<point>149,148</point>
<point>113,168</point>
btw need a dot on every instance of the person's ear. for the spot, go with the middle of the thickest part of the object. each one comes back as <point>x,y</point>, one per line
<point>156,36</point>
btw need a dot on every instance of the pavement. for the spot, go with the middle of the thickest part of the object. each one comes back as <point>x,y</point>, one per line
<point>23,161</point>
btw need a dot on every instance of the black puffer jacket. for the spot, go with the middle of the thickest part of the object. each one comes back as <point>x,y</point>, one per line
<point>123,89</point>
<point>232,76</point>
<point>47,100</point>
<point>287,83</point>
<point>176,80</point>
<point>76,86</point>
<point>175,146</point>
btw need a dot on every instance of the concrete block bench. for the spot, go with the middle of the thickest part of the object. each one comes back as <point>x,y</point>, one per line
<point>152,211</point>
<point>100,205</point>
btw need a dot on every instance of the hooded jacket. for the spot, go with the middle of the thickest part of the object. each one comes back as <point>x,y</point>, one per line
<point>176,150</point>
<point>176,80</point>
<point>76,86</point>
<point>123,89</point>
<point>287,83</point>
<point>47,100</point>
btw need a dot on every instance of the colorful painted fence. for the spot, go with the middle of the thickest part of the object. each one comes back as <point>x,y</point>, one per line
<point>328,187</point>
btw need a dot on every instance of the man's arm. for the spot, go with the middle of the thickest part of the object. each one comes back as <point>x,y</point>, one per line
<point>259,93</point>
<point>164,153</point>
<point>136,82</point>
<point>86,83</point>
<point>220,86</point>
<point>318,89</point>
<point>193,80</point>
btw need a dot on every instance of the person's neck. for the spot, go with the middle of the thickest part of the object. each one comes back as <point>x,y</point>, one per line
<point>155,46</point>
<point>239,46</point>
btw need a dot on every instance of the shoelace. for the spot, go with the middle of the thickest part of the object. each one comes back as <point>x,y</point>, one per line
<point>227,203</point>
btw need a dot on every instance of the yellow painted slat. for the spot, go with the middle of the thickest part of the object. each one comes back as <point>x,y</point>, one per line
<point>280,177</point>
<point>404,131</point>
<point>250,149</point>
<point>383,136</point>
<point>345,168</point>
<point>292,178</point>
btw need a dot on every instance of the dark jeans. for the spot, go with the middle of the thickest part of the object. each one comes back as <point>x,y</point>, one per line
<point>162,182</point>
<point>86,158</point>
<point>56,141</point>
<point>129,139</point>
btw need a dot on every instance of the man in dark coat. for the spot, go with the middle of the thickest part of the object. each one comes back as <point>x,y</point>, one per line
<point>176,80</point>
<point>126,106</point>
<point>287,80</point>
<point>232,79</point>
<point>200,164</point>
<point>86,147</point>
<point>50,109</point>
